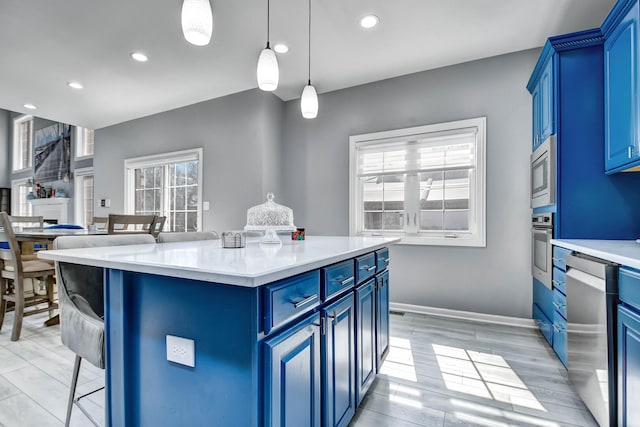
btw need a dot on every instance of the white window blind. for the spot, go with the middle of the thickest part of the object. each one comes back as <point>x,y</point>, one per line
<point>22,143</point>
<point>84,142</point>
<point>425,183</point>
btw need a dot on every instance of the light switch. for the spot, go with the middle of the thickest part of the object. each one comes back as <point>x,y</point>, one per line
<point>181,350</point>
<point>105,203</point>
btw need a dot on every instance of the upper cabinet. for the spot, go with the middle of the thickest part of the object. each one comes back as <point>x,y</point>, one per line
<point>542,99</point>
<point>622,147</point>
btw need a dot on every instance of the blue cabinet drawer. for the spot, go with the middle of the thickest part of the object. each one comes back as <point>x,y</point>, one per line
<point>543,323</point>
<point>558,257</point>
<point>287,299</point>
<point>337,278</point>
<point>365,267</point>
<point>629,287</point>
<point>560,303</point>
<point>559,281</point>
<point>382,259</point>
<point>560,337</point>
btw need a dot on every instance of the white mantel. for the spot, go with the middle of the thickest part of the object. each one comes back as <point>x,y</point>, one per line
<point>52,208</point>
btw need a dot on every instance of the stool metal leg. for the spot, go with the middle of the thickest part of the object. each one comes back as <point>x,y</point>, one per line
<point>72,391</point>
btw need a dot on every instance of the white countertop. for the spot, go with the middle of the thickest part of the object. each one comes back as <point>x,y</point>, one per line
<point>251,266</point>
<point>623,252</point>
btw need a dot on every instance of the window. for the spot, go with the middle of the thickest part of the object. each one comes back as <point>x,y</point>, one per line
<point>84,198</point>
<point>167,185</point>
<point>22,143</point>
<point>20,205</point>
<point>84,142</point>
<point>425,184</point>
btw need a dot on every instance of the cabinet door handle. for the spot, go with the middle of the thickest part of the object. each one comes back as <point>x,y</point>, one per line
<point>556,282</point>
<point>367,268</point>
<point>305,301</point>
<point>386,260</point>
<point>558,259</point>
<point>345,281</point>
<point>558,306</point>
<point>629,151</point>
<point>557,328</point>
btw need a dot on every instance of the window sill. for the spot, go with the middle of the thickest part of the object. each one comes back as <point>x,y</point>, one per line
<point>470,242</point>
<point>17,171</point>
<point>88,156</point>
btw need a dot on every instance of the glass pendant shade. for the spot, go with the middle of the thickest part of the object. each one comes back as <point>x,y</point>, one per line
<point>197,21</point>
<point>309,102</point>
<point>268,73</point>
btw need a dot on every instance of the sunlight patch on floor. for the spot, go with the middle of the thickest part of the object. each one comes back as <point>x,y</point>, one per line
<point>399,362</point>
<point>484,375</point>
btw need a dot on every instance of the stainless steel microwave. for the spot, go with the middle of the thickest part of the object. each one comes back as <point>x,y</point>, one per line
<point>543,174</point>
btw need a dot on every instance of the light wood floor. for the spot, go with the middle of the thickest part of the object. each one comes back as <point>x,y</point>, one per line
<point>439,372</point>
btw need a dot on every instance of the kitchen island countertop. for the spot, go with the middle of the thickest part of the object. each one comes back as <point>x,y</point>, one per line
<point>251,266</point>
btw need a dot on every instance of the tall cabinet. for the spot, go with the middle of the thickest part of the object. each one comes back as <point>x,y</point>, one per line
<point>589,204</point>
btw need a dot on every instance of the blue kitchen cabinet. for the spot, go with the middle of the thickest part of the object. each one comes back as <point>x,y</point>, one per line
<point>543,104</point>
<point>621,88</point>
<point>382,317</point>
<point>628,366</point>
<point>292,375</point>
<point>365,338</point>
<point>338,362</point>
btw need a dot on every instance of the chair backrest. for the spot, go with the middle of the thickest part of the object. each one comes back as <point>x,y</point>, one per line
<point>87,281</point>
<point>187,236</point>
<point>10,255</point>
<point>131,224</point>
<point>27,222</point>
<point>158,225</point>
<point>101,222</point>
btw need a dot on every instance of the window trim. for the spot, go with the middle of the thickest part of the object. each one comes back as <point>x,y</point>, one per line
<point>477,239</point>
<point>130,165</point>
<point>77,138</point>
<point>78,192</point>
<point>15,139</point>
<point>15,200</point>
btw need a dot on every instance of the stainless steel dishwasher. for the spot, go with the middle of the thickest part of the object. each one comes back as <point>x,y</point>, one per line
<point>592,297</point>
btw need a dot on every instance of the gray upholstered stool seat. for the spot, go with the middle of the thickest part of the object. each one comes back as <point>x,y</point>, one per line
<point>80,289</point>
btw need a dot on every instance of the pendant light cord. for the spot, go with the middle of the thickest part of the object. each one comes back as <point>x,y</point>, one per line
<point>268,20</point>
<point>309,69</point>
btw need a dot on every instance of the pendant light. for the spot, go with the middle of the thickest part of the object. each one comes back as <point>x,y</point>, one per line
<point>197,21</point>
<point>309,98</point>
<point>268,73</point>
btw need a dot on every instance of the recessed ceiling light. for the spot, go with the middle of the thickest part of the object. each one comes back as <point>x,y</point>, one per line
<point>30,106</point>
<point>281,48</point>
<point>139,56</point>
<point>75,85</point>
<point>369,21</point>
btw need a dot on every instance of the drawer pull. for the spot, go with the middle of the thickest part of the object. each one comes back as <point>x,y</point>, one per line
<point>558,259</point>
<point>558,306</point>
<point>367,268</point>
<point>557,282</point>
<point>557,328</point>
<point>386,260</point>
<point>345,281</point>
<point>305,301</point>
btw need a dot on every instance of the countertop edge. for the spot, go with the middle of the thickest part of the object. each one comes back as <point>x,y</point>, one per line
<point>623,252</point>
<point>207,276</point>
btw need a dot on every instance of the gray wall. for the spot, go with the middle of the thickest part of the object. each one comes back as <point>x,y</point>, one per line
<point>5,164</point>
<point>495,279</point>
<point>241,139</point>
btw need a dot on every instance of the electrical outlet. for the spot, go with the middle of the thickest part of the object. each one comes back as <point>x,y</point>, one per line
<point>205,206</point>
<point>181,350</point>
<point>105,203</point>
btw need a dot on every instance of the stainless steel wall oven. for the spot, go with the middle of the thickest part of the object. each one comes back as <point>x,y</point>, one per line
<point>541,250</point>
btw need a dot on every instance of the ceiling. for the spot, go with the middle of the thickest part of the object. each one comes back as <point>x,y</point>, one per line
<point>49,43</point>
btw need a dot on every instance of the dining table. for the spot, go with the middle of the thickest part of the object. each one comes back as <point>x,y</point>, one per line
<point>46,237</point>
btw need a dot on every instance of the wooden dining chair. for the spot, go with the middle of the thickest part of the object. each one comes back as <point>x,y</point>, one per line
<point>29,223</point>
<point>15,270</point>
<point>131,224</point>
<point>158,225</point>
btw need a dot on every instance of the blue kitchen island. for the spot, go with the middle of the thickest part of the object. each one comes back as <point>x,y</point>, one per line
<point>282,335</point>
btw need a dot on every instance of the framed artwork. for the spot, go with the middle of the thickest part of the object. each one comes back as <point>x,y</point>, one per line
<point>52,153</point>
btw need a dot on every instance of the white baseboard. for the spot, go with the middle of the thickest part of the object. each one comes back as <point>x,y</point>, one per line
<point>464,315</point>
